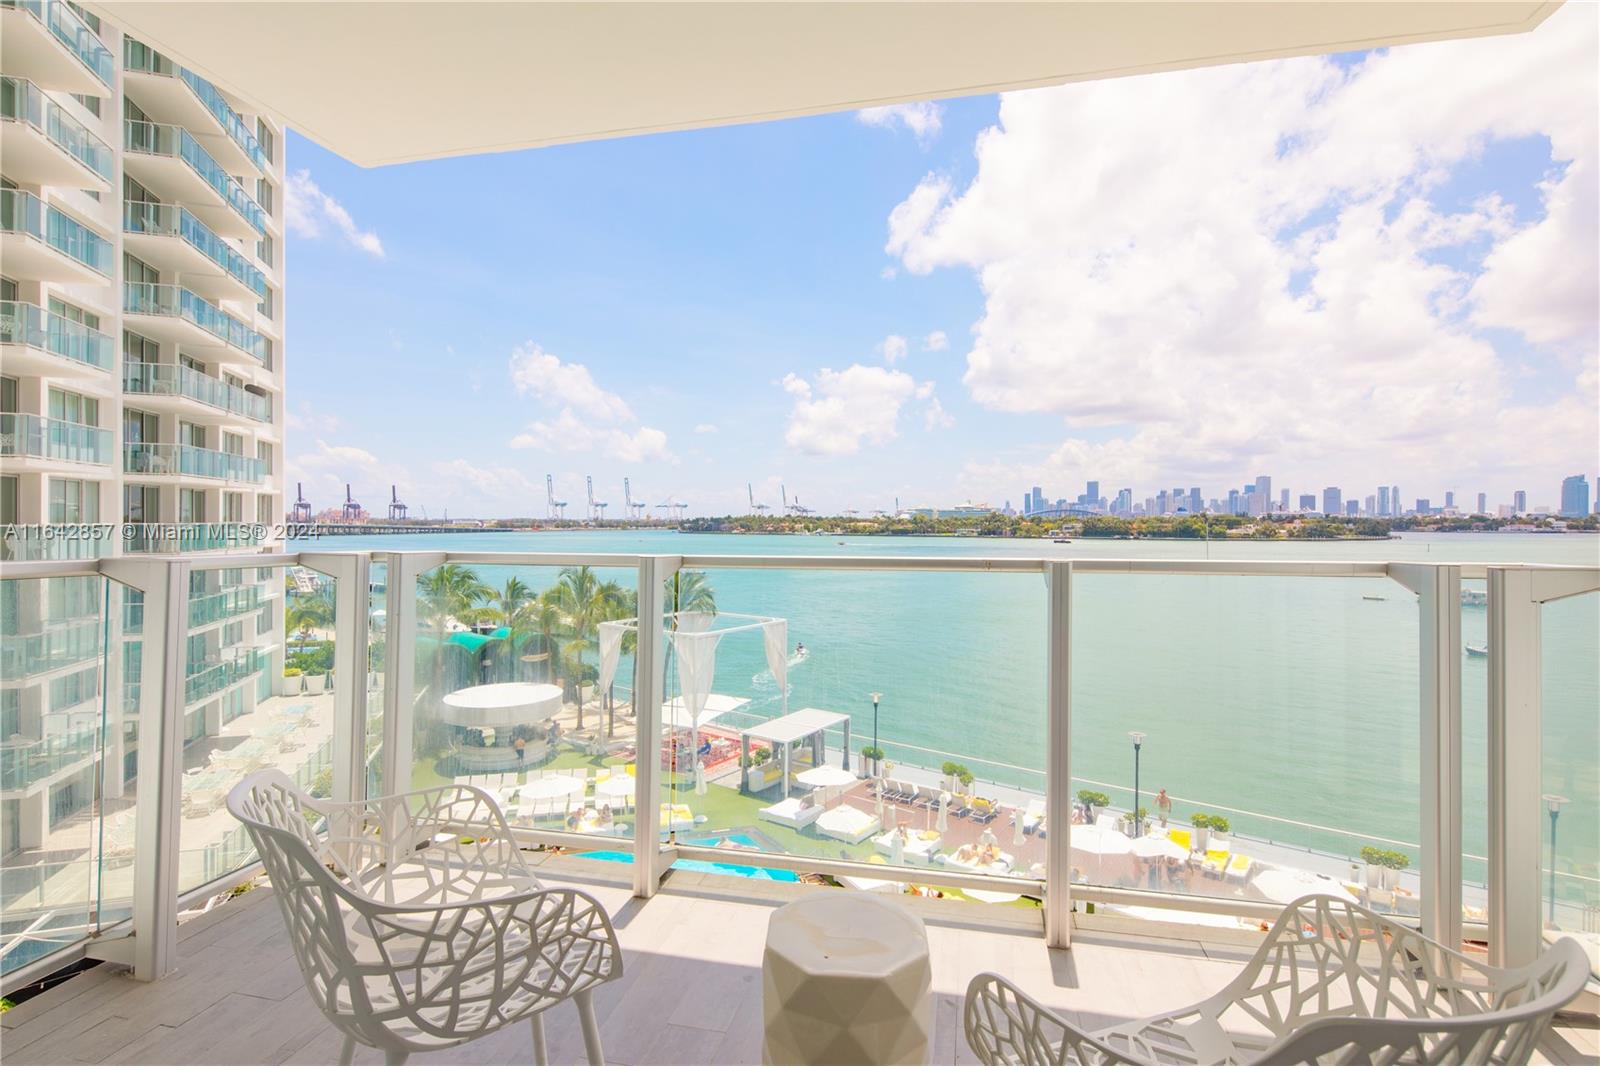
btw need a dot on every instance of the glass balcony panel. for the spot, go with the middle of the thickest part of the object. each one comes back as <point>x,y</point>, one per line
<point>71,31</point>
<point>28,324</point>
<point>24,102</point>
<point>23,212</point>
<point>1278,737</point>
<point>50,438</point>
<point>542,748</point>
<point>34,543</point>
<point>156,538</point>
<point>377,647</point>
<point>142,58</point>
<point>942,772</point>
<point>144,299</point>
<point>173,220</point>
<point>153,138</point>
<point>56,730</point>
<point>188,461</point>
<point>165,379</point>
<point>1570,695</point>
<point>253,700</point>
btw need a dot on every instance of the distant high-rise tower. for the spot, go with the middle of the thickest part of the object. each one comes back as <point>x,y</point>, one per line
<point>1092,497</point>
<point>1449,499</point>
<point>1519,502</point>
<point>1197,502</point>
<point>1483,503</point>
<point>1383,500</point>
<point>1331,503</point>
<point>1575,496</point>
<point>1124,502</point>
<point>1283,500</point>
<point>1264,493</point>
<point>1308,502</point>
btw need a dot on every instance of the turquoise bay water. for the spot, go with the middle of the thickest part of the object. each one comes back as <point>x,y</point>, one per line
<point>1285,697</point>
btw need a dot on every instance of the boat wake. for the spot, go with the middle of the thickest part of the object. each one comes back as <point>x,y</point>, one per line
<point>765,679</point>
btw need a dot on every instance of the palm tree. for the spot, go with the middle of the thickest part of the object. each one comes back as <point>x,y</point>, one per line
<point>543,616</point>
<point>584,601</point>
<point>507,606</point>
<point>308,612</point>
<point>446,592</point>
<point>688,591</point>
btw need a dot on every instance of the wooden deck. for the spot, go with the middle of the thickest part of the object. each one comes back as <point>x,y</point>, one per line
<point>691,990</point>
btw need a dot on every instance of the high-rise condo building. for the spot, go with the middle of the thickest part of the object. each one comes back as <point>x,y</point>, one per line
<point>1308,502</point>
<point>1124,502</point>
<point>1395,509</point>
<point>141,389</point>
<point>1575,496</point>
<point>1383,500</point>
<point>1352,508</point>
<point>1449,499</point>
<point>1331,502</point>
<point>1519,502</point>
<point>1424,505</point>
<point>1264,492</point>
<point>1372,505</point>
<point>1483,503</point>
<point>1197,502</point>
<point>1092,497</point>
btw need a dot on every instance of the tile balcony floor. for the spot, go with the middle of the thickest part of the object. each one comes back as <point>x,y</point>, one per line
<point>690,993</point>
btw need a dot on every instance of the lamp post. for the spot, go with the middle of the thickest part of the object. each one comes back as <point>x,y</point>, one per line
<point>1138,740</point>
<point>876,696</point>
<point>1553,805</point>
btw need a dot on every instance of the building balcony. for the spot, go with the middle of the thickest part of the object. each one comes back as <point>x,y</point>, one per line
<point>170,238</point>
<point>225,605</point>
<point>56,543</point>
<point>168,92</point>
<point>161,538</point>
<point>44,145</point>
<point>173,164</point>
<point>27,655</point>
<point>207,679</point>
<point>46,42</point>
<point>172,314</point>
<point>26,763</point>
<point>41,242</point>
<point>183,460</point>
<point>184,386</point>
<point>38,341</point>
<point>35,437</point>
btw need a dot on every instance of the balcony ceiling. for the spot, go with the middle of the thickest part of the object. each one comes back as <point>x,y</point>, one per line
<point>395,82</point>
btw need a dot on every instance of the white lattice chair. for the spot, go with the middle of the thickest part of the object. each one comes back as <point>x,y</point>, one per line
<point>417,924</point>
<point>1334,983</point>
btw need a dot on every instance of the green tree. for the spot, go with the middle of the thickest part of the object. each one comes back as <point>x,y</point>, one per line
<point>446,592</point>
<point>584,601</point>
<point>507,606</point>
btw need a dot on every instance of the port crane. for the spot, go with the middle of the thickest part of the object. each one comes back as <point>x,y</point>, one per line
<point>597,508</point>
<point>795,507</point>
<point>557,508</point>
<point>397,510</point>
<point>302,506</point>
<point>630,508</point>
<point>352,510</point>
<point>755,508</point>
<point>674,509</point>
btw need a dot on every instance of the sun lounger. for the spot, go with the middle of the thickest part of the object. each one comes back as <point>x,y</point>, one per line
<point>1107,820</point>
<point>677,816</point>
<point>1033,815</point>
<point>918,847</point>
<point>848,824</point>
<point>984,811</point>
<point>1182,837</point>
<point>1239,868</point>
<point>793,812</point>
<point>1215,863</point>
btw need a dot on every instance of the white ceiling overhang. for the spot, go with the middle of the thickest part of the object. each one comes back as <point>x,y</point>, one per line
<point>383,82</point>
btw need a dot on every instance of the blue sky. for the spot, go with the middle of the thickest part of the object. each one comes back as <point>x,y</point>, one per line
<point>665,307</point>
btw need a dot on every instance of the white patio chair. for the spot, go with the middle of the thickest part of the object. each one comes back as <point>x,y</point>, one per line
<point>1334,984</point>
<point>415,921</point>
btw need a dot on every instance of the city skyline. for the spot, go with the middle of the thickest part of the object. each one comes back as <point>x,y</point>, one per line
<point>949,301</point>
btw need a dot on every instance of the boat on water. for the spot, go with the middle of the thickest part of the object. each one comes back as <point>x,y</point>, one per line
<point>1478,651</point>
<point>1474,598</point>
<point>1375,599</point>
<point>1060,540</point>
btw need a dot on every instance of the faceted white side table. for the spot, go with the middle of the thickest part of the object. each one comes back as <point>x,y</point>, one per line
<point>846,982</point>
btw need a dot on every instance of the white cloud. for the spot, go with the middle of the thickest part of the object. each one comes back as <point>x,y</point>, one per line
<point>934,416</point>
<point>1203,271</point>
<point>324,471</point>
<point>568,432</point>
<point>705,427</point>
<point>935,341</point>
<point>308,420</point>
<point>307,209</point>
<point>501,484</point>
<point>535,371</point>
<point>923,118</point>
<point>892,348</point>
<point>844,408</point>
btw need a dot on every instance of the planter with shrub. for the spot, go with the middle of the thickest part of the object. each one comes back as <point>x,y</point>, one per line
<point>871,761</point>
<point>956,777</point>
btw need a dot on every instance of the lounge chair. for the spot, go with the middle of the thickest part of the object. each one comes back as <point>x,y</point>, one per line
<point>984,811</point>
<point>918,847</point>
<point>793,812</point>
<point>1215,863</point>
<point>1311,994</point>
<point>1239,868</point>
<point>1033,815</point>
<point>1182,837</point>
<point>848,824</point>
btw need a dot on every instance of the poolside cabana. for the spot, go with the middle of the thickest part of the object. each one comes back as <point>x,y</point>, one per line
<point>802,725</point>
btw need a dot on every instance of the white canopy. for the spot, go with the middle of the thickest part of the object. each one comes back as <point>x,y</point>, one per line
<point>796,726</point>
<point>675,712</point>
<point>826,777</point>
<point>502,706</point>
<point>1286,884</point>
<point>694,636</point>
<point>1157,848</point>
<point>553,785</point>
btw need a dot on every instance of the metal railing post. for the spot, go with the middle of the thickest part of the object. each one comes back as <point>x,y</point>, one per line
<point>1438,590</point>
<point>158,805</point>
<point>649,659</point>
<point>350,572</point>
<point>400,664</point>
<point>1515,768</point>
<point>1058,756</point>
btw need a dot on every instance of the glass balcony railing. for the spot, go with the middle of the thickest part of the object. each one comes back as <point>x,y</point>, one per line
<point>24,762</point>
<point>166,379</point>
<point>35,327</point>
<point>139,57</point>
<point>171,220</point>
<point>162,538</point>
<point>152,138</point>
<point>188,461</point>
<point>23,212</point>
<point>177,302</point>
<point>71,31</point>
<point>32,436</point>
<point>30,654</point>
<point>229,603</point>
<point>23,101</point>
<point>206,679</point>
<point>55,543</point>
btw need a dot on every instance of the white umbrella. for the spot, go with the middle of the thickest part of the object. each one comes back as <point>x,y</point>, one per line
<point>891,816</point>
<point>1017,836</point>
<point>1156,848</point>
<point>826,777</point>
<point>617,788</point>
<point>944,812</point>
<point>897,848</point>
<point>877,801</point>
<point>1286,884</point>
<point>699,777</point>
<point>554,785</point>
<point>1097,840</point>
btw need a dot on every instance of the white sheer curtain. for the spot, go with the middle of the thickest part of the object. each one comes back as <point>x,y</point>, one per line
<point>775,634</point>
<point>696,646</point>
<point>611,634</point>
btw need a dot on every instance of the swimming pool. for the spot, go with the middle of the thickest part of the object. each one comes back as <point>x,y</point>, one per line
<point>702,866</point>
